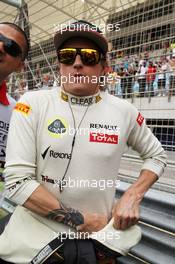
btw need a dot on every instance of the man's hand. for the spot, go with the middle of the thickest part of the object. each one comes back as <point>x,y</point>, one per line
<point>126,210</point>
<point>81,221</point>
<point>93,222</point>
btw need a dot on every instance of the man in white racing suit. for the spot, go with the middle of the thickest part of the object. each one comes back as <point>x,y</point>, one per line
<point>62,170</point>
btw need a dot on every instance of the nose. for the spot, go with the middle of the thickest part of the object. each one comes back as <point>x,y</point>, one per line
<point>78,63</point>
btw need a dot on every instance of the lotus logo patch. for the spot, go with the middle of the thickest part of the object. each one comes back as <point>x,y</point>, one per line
<point>57,127</point>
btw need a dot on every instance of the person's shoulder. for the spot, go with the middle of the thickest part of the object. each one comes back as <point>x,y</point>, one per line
<point>122,106</point>
<point>38,96</point>
<point>39,93</point>
<point>117,102</point>
<point>11,100</point>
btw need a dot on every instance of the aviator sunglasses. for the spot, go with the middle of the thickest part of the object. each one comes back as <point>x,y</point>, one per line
<point>89,57</point>
<point>10,46</point>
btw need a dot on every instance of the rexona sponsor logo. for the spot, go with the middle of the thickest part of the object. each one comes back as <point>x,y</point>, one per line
<point>55,154</point>
<point>57,127</point>
<point>103,138</point>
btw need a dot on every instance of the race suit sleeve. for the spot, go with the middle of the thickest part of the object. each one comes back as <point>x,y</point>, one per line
<point>20,168</point>
<point>146,144</point>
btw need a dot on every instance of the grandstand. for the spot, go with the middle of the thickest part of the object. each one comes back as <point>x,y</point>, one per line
<point>142,30</point>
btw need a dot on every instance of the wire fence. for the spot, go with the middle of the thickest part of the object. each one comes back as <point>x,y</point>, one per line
<point>141,58</point>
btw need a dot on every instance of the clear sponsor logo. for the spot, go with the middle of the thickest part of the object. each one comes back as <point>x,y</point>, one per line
<point>81,100</point>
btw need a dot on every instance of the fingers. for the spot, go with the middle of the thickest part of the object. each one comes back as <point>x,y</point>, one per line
<point>126,211</point>
<point>125,220</point>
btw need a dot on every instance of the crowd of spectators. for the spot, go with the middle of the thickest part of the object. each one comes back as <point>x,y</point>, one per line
<point>143,76</point>
<point>45,82</point>
<point>129,76</point>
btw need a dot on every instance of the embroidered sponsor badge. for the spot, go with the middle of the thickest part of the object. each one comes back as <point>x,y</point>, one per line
<point>83,101</point>
<point>140,119</point>
<point>54,154</point>
<point>22,108</point>
<point>57,127</point>
<point>47,250</point>
<point>103,138</point>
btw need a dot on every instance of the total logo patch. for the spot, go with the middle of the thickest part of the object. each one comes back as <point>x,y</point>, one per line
<point>103,138</point>
<point>22,108</point>
<point>57,127</point>
<point>140,119</point>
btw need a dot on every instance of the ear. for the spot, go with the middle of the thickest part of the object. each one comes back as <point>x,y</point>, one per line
<point>105,66</point>
<point>20,66</point>
<point>58,66</point>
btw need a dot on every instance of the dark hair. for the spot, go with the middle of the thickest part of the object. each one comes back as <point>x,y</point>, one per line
<point>17,28</point>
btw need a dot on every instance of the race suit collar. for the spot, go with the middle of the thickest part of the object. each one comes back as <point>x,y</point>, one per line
<point>3,95</point>
<point>80,100</point>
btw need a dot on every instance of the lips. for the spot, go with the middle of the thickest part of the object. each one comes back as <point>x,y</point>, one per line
<point>78,75</point>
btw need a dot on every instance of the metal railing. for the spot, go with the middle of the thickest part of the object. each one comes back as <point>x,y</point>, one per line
<point>157,222</point>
